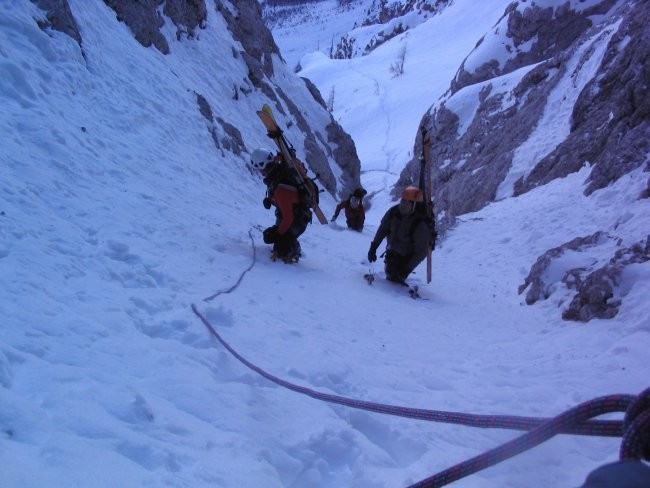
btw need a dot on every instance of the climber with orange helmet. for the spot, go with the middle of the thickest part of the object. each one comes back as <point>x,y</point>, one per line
<point>408,235</point>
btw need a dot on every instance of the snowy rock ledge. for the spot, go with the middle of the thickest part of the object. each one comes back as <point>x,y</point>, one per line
<point>600,289</point>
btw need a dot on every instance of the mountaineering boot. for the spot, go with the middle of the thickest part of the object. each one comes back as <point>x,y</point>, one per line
<point>396,280</point>
<point>291,257</point>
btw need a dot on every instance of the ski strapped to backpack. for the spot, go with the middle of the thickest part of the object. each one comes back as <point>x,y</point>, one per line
<point>288,153</point>
<point>425,186</point>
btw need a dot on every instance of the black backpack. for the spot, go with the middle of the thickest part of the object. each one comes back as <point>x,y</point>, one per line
<point>308,190</point>
<point>429,219</point>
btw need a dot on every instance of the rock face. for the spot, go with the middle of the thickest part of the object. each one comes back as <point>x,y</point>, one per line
<point>597,288</point>
<point>609,124</point>
<point>611,117</point>
<point>550,30</point>
<point>539,284</point>
<point>59,17</point>
<point>392,18</point>
<point>145,21</point>
<point>582,71</point>
<point>246,26</point>
<point>325,144</point>
<point>599,292</point>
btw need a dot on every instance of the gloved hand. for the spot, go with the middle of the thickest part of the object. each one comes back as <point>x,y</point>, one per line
<point>372,254</point>
<point>267,203</point>
<point>270,235</point>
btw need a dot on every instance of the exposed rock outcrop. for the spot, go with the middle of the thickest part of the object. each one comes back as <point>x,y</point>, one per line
<point>145,21</point>
<point>475,158</point>
<point>598,288</point>
<point>59,17</point>
<point>611,118</point>
<point>540,281</point>
<point>535,34</point>
<point>599,292</point>
<point>394,18</point>
<point>244,20</point>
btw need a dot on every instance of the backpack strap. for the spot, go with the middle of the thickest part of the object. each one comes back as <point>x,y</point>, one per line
<point>430,221</point>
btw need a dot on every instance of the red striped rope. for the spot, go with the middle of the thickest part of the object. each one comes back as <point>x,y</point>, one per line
<point>602,428</point>
<point>635,428</point>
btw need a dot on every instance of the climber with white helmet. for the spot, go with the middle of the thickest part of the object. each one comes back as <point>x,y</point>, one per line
<point>291,202</point>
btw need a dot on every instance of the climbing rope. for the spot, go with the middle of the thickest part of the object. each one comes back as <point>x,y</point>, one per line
<point>601,428</point>
<point>636,438</point>
<point>241,277</point>
<point>578,420</point>
<point>634,429</point>
<point>550,428</point>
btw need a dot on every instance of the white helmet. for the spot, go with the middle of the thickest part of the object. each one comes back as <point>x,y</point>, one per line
<point>261,158</point>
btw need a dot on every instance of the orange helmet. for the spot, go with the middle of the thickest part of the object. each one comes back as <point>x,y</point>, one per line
<point>412,194</point>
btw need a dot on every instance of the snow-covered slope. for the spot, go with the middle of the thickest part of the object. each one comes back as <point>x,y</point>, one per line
<point>548,88</point>
<point>343,30</point>
<point>117,214</point>
<point>318,25</point>
<point>372,104</point>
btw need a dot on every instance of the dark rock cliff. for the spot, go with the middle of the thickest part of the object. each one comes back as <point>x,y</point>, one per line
<point>609,122</point>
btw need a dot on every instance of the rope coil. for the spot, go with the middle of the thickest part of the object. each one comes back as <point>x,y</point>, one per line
<point>636,438</point>
<point>634,428</point>
<point>580,413</point>
<point>577,421</point>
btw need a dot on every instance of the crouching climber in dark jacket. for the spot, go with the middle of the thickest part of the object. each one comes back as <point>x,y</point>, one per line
<point>408,237</point>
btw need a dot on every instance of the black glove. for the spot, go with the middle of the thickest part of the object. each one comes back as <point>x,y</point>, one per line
<point>270,235</point>
<point>372,254</point>
<point>266,202</point>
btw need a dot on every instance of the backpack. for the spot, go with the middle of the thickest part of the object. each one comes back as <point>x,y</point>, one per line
<point>308,190</point>
<point>308,193</point>
<point>429,220</point>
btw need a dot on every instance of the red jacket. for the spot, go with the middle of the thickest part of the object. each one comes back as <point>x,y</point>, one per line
<point>352,215</point>
<point>284,198</point>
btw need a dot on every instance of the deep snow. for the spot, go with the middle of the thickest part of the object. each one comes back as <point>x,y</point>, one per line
<point>117,214</point>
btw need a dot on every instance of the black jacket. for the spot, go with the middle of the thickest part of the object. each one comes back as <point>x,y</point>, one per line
<point>406,235</point>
